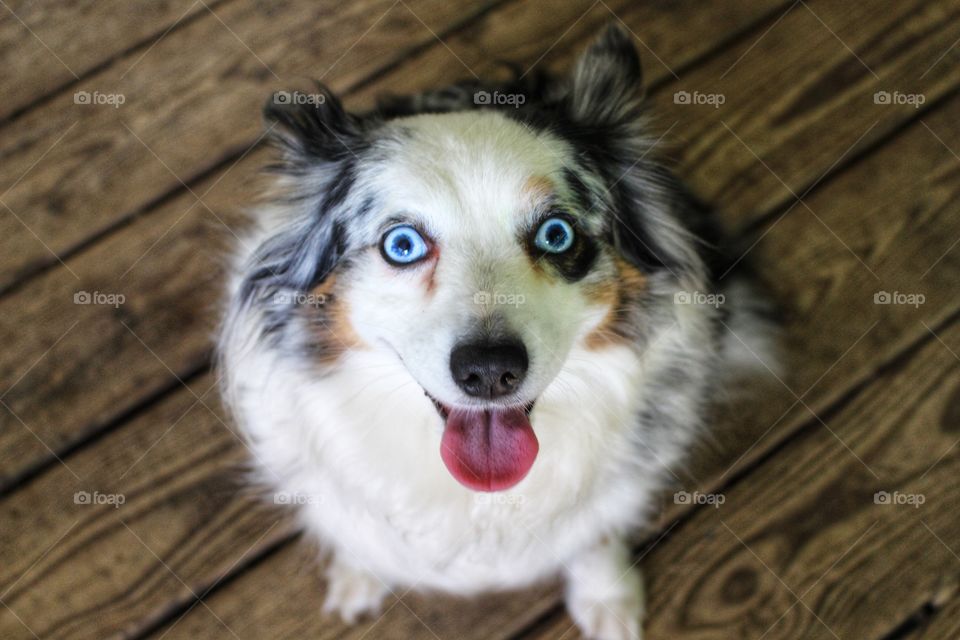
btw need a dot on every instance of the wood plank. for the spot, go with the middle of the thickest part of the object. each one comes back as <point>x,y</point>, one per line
<point>83,365</point>
<point>821,282</point>
<point>802,548</point>
<point>55,43</point>
<point>178,327</point>
<point>70,171</point>
<point>803,95</point>
<point>548,35</point>
<point>107,568</point>
<point>253,609</point>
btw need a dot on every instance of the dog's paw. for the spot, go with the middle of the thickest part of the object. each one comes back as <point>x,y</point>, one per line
<point>609,618</point>
<point>352,593</point>
<point>605,595</point>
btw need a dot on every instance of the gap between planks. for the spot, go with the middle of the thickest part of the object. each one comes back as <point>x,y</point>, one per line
<point>146,42</point>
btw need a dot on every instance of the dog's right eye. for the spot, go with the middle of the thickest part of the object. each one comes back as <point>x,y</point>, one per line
<point>403,245</point>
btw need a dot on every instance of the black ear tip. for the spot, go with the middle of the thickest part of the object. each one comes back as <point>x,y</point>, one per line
<point>617,41</point>
<point>616,35</point>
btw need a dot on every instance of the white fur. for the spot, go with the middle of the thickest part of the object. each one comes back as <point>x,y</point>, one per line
<point>358,446</point>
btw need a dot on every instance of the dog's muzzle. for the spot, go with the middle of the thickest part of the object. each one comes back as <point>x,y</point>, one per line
<point>489,370</point>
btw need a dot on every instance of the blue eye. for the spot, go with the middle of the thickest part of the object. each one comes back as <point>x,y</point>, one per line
<point>555,235</point>
<point>403,245</point>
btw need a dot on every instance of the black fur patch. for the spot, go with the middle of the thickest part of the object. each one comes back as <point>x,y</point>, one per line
<point>573,264</point>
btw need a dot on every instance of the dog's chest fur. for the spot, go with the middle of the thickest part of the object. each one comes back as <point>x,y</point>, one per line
<point>358,451</point>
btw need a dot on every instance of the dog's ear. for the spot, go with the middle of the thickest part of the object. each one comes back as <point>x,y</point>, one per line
<point>605,101</point>
<point>607,82</point>
<point>319,143</point>
<point>311,128</point>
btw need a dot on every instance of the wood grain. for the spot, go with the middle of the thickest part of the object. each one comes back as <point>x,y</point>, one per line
<point>295,570</point>
<point>70,171</point>
<point>83,365</point>
<point>548,35</point>
<point>71,569</point>
<point>801,98</point>
<point>55,43</point>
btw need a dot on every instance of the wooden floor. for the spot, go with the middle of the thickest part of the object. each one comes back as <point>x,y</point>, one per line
<point>129,137</point>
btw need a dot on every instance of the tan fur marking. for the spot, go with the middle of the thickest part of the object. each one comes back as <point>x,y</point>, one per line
<point>618,294</point>
<point>537,188</point>
<point>336,333</point>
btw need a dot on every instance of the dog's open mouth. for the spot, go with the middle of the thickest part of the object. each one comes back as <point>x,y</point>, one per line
<point>487,449</point>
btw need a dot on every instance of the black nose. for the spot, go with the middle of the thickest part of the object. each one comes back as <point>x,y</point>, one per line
<point>489,370</point>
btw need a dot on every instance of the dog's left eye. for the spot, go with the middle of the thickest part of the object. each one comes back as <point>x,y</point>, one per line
<point>403,245</point>
<point>555,235</point>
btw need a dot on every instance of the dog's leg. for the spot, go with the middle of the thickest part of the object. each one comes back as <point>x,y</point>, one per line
<point>352,592</point>
<point>604,592</point>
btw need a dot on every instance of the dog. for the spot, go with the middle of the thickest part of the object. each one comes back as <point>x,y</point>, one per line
<point>470,332</point>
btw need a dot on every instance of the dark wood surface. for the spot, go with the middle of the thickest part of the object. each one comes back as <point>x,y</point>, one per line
<point>838,198</point>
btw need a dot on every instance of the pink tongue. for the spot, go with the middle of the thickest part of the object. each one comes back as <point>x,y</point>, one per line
<point>489,450</point>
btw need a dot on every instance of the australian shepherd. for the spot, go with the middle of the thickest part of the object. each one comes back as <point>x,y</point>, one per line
<point>470,332</point>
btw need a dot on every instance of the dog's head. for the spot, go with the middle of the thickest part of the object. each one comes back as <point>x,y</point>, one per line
<point>481,244</point>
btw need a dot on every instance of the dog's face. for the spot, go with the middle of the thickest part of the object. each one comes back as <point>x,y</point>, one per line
<point>480,269</point>
<point>479,247</point>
